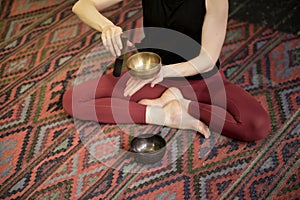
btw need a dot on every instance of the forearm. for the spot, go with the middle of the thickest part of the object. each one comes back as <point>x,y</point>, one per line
<point>197,65</point>
<point>88,12</point>
<point>213,36</point>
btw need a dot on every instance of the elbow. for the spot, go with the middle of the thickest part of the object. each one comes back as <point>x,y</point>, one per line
<point>211,61</point>
<point>81,5</point>
<point>211,67</point>
<point>203,63</point>
<point>208,68</point>
<point>75,7</point>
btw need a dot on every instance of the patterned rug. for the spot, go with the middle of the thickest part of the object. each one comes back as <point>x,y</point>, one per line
<point>42,155</point>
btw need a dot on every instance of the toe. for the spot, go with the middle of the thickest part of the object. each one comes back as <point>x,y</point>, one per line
<point>204,130</point>
<point>149,102</point>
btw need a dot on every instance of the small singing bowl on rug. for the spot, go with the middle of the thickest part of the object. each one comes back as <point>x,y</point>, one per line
<point>148,148</point>
<point>144,65</point>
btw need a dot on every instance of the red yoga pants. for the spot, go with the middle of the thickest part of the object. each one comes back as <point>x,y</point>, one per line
<point>214,100</point>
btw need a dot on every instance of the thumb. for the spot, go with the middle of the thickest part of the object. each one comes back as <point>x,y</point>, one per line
<point>154,82</point>
<point>130,44</point>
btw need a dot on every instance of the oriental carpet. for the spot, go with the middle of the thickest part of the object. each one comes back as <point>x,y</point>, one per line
<point>42,155</point>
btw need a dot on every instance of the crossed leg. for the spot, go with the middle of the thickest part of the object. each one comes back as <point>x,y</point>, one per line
<point>170,109</point>
<point>245,119</point>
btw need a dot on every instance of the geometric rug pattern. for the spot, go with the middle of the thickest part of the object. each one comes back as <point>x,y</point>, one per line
<point>41,152</point>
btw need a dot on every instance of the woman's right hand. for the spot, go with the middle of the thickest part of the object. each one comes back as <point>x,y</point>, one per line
<point>111,39</point>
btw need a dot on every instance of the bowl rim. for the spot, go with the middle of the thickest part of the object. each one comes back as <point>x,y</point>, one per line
<point>150,135</point>
<point>144,52</point>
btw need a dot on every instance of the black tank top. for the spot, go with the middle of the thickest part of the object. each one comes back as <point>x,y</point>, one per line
<point>184,16</point>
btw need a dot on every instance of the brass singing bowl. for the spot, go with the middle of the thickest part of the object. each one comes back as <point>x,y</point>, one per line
<point>144,65</point>
<point>148,148</point>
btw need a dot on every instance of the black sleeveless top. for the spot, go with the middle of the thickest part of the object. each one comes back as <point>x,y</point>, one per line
<point>184,16</point>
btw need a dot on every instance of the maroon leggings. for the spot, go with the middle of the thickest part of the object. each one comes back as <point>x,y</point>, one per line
<point>214,100</point>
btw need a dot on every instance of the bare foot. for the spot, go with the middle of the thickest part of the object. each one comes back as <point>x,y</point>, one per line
<point>177,117</point>
<point>170,94</point>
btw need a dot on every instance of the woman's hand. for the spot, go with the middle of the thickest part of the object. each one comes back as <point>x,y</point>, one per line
<point>134,84</point>
<point>111,39</point>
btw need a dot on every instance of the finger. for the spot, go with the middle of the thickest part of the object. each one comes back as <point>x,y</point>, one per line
<point>204,130</point>
<point>133,90</point>
<point>118,39</point>
<point>111,37</point>
<point>110,44</point>
<point>159,78</point>
<point>132,85</point>
<point>130,44</point>
<point>114,40</point>
<point>105,38</point>
<point>139,85</point>
<point>129,81</point>
<point>129,89</point>
<point>104,41</point>
<point>133,81</point>
<point>154,82</point>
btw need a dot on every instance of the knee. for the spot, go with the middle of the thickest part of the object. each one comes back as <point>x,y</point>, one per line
<point>259,127</point>
<point>67,102</point>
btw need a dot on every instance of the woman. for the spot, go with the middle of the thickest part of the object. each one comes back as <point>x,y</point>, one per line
<point>168,103</point>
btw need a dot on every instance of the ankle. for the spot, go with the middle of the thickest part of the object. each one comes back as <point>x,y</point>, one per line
<point>173,113</point>
<point>155,115</point>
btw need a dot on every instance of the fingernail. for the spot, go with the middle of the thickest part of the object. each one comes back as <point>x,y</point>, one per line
<point>208,133</point>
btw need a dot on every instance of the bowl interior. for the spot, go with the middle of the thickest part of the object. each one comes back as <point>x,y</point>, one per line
<point>147,144</point>
<point>143,61</point>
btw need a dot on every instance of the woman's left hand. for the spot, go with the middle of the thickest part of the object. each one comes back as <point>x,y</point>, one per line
<point>134,84</point>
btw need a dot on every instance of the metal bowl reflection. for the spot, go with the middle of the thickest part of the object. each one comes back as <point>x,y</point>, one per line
<point>148,148</point>
<point>144,65</point>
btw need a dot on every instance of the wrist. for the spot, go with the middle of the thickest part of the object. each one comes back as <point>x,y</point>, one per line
<point>104,26</point>
<point>164,71</point>
<point>174,70</point>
